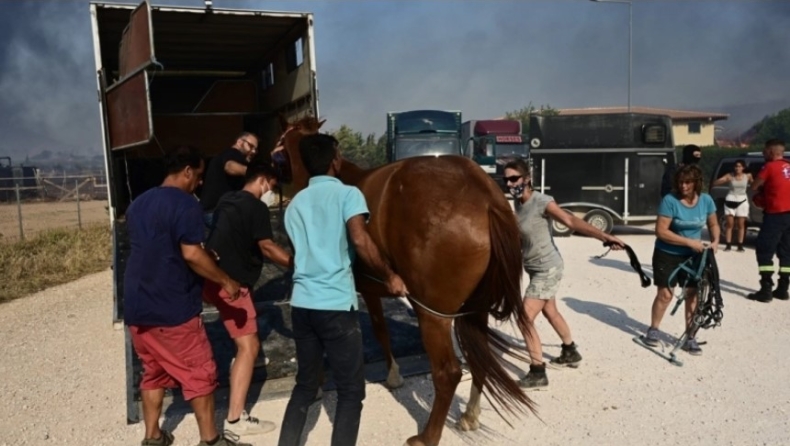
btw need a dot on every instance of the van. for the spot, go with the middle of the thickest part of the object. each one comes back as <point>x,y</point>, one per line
<point>754,162</point>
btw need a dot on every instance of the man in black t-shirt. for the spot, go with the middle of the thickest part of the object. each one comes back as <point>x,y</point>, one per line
<point>225,173</point>
<point>241,237</point>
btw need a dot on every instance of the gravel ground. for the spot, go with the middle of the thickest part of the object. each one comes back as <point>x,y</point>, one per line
<point>63,373</point>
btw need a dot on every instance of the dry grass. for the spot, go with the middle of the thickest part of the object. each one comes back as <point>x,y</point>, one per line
<point>51,258</point>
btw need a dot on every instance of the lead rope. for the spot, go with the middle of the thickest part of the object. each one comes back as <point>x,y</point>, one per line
<point>425,307</point>
<point>633,259</point>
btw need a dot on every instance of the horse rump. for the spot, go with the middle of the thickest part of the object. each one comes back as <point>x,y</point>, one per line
<point>497,294</point>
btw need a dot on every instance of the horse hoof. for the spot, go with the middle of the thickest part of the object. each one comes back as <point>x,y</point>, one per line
<point>395,382</point>
<point>468,424</point>
<point>414,441</point>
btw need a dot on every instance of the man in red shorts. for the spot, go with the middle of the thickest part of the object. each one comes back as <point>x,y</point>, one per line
<point>241,238</point>
<point>162,298</point>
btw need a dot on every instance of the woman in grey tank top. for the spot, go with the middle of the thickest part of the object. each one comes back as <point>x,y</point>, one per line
<point>736,203</point>
<point>544,265</point>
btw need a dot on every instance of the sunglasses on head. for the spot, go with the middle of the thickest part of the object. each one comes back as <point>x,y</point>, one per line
<point>512,179</point>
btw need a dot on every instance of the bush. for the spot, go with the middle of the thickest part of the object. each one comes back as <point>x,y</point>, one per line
<point>51,258</point>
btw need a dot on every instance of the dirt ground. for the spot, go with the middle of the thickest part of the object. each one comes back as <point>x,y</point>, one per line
<point>38,216</point>
<point>64,379</point>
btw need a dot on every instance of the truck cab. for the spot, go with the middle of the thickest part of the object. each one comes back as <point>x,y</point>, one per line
<point>423,133</point>
<point>492,143</point>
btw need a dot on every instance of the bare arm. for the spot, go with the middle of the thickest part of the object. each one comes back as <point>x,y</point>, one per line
<point>757,183</point>
<point>275,253</point>
<point>714,229</point>
<point>370,254</point>
<point>725,178</point>
<point>200,261</point>
<point>667,236</point>
<point>578,225</point>
<point>235,169</point>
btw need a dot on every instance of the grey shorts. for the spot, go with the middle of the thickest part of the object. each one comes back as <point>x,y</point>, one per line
<point>544,284</point>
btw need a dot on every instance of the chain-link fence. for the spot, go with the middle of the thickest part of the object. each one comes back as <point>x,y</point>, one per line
<point>29,205</point>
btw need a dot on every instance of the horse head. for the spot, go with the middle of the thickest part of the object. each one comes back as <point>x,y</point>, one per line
<point>293,169</point>
<point>293,132</point>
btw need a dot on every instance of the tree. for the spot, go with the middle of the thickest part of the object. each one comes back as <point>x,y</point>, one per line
<point>524,113</point>
<point>366,152</point>
<point>775,126</point>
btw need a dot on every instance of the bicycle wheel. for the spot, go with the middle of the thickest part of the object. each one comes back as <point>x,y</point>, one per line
<point>704,304</point>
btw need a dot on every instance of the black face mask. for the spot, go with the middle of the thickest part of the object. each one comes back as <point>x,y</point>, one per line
<point>516,191</point>
<point>688,155</point>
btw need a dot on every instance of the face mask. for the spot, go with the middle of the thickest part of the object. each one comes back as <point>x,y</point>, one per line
<point>516,191</point>
<point>269,197</point>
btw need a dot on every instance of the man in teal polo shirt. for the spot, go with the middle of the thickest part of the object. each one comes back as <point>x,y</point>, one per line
<point>326,223</point>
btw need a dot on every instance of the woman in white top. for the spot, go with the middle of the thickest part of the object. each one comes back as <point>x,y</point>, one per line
<point>736,203</point>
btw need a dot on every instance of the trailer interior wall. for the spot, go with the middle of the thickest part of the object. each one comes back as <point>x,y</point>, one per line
<point>207,76</point>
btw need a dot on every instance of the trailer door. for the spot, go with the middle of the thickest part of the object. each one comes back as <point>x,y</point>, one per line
<point>127,102</point>
<point>646,184</point>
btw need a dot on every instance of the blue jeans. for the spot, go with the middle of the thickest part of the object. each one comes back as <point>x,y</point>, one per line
<point>336,333</point>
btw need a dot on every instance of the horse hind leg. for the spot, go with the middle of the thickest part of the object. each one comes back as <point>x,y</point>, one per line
<point>379,324</point>
<point>470,420</point>
<point>446,374</point>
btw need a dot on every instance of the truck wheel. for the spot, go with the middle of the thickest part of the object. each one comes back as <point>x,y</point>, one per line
<point>560,230</point>
<point>599,219</point>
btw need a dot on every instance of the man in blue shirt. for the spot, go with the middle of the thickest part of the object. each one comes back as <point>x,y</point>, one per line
<point>163,297</point>
<point>326,223</point>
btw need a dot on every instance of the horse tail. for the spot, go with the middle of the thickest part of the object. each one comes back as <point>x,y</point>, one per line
<point>497,294</point>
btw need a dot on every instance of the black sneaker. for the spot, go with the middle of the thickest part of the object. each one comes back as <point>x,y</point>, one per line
<point>569,357</point>
<point>740,249</point>
<point>728,248</point>
<point>535,379</point>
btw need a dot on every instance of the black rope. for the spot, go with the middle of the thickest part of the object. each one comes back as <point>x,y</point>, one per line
<point>710,312</point>
<point>634,260</point>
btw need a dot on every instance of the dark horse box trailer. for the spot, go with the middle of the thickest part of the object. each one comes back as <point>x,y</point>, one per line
<point>604,168</point>
<point>198,76</point>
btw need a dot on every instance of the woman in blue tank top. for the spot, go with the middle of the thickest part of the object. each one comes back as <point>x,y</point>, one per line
<point>681,217</point>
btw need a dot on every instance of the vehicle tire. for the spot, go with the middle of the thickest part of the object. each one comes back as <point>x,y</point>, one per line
<point>560,230</point>
<point>600,219</point>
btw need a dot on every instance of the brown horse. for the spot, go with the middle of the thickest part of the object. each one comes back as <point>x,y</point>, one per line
<point>448,231</point>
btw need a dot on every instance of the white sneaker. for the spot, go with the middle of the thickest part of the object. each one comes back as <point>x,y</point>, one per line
<point>248,425</point>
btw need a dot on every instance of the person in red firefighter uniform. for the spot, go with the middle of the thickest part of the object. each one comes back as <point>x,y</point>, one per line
<point>773,186</point>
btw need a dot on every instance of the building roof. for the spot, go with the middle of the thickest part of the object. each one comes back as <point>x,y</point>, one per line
<point>676,115</point>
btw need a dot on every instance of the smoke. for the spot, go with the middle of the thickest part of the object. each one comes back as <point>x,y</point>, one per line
<point>481,57</point>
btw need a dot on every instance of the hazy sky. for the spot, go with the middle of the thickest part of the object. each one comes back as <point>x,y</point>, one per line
<point>481,57</point>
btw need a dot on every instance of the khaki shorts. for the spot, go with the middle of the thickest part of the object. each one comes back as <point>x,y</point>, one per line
<point>544,284</point>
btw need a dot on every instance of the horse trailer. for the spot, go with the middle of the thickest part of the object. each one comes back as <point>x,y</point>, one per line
<point>171,75</point>
<point>604,168</point>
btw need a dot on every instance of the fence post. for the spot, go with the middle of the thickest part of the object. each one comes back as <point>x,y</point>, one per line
<point>79,212</point>
<point>19,211</point>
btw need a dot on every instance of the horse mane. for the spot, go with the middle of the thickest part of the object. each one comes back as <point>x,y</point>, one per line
<point>307,125</point>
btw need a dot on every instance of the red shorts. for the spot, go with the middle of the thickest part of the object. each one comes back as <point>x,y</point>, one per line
<point>237,315</point>
<point>176,356</point>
